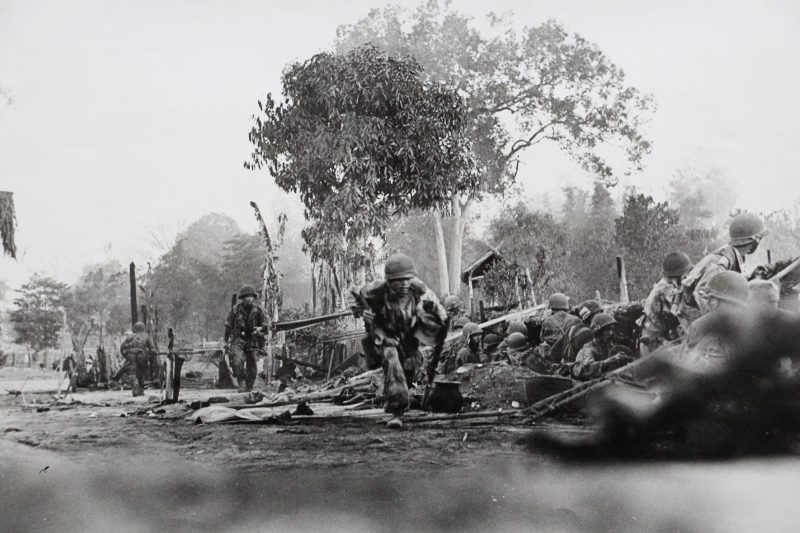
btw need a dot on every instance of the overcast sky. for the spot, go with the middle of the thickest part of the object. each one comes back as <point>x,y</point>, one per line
<point>130,118</point>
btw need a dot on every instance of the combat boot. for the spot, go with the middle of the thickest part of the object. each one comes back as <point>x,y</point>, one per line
<point>242,386</point>
<point>395,423</point>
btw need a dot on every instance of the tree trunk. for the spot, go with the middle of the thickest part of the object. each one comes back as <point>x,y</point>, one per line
<point>457,244</point>
<point>441,253</point>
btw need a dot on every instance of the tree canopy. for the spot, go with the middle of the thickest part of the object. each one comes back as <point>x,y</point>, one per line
<point>362,136</point>
<point>39,315</point>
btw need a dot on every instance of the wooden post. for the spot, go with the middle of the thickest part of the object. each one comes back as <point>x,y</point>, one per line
<point>134,308</point>
<point>471,297</point>
<point>482,311</point>
<point>769,256</point>
<point>623,280</point>
<point>144,317</point>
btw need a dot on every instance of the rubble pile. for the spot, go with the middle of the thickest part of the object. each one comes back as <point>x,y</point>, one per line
<point>494,385</point>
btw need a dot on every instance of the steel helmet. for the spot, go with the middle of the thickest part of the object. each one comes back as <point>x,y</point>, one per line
<point>470,329</point>
<point>398,266</point>
<point>460,322</point>
<point>517,342</point>
<point>247,290</point>
<point>138,327</point>
<point>558,302</point>
<point>492,340</point>
<point>600,321</point>
<point>517,327</point>
<point>728,285</point>
<point>764,291</point>
<point>745,228</point>
<point>589,308</point>
<point>676,265</point>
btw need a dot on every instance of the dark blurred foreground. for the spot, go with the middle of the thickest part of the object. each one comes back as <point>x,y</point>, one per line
<point>519,495</point>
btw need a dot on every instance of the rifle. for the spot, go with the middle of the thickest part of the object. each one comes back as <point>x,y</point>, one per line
<point>441,336</point>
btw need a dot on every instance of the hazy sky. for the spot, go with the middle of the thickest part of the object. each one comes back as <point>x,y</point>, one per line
<point>130,118</point>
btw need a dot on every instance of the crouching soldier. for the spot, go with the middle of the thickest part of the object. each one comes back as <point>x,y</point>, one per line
<point>600,355</point>
<point>243,337</point>
<point>659,325</point>
<point>556,325</point>
<point>398,312</point>
<point>138,349</point>
<point>471,351</point>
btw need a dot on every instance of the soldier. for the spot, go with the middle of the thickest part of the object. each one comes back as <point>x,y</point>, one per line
<point>701,351</point>
<point>724,395</point>
<point>398,312</point>
<point>471,351</point>
<point>490,352</point>
<point>746,231</point>
<point>459,322</point>
<point>515,326</point>
<point>659,325</point>
<point>138,349</point>
<point>600,355</point>
<point>243,337</point>
<point>556,324</point>
<point>517,348</point>
<point>567,347</point>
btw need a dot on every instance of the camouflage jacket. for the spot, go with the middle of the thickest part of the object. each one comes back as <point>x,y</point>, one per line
<point>241,323</point>
<point>137,343</point>
<point>595,359</point>
<point>693,300</point>
<point>659,322</point>
<point>419,313</point>
<point>556,326</point>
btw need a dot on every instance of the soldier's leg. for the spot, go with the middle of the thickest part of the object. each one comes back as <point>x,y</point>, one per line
<point>251,368</point>
<point>237,364</point>
<point>395,387</point>
<point>411,359</point>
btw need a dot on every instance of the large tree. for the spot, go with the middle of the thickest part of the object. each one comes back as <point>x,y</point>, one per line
<point>646,232</point>
<point>542,83</point>
<point>39,314</point>
<point>362,136</point>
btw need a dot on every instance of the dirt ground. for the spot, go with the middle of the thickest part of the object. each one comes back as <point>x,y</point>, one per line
<point>95,465</point>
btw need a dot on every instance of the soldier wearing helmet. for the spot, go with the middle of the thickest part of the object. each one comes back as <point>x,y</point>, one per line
<point>556,324</point>
<point>138,349</point>
<point>243,337</point>
<point>490,343</point>
<point>600,355</point>
<point>659,324</point>
<point>471,351</point>
<point>703,351</point>
<point>398,312</point>
<point>746,231</point>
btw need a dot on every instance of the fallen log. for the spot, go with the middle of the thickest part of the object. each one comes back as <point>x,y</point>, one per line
<point>461,416</point>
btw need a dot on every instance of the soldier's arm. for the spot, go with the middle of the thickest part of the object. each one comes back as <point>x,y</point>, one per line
<point>229,324</point>
<point>586,367</point>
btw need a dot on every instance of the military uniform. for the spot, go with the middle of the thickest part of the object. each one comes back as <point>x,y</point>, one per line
<point>467,355</point>
<point>659,325</point>
<point>244,341</point>
<point>398,323</point>
<point>693,299</point>
<point>594,359</point>
<point>138,349</point>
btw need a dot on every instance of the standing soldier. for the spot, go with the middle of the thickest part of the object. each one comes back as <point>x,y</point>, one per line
<point>138,349</point>
<point>746,231</point>
<point>659,325</point>
<point>243,337</point>
<point>398,312</point>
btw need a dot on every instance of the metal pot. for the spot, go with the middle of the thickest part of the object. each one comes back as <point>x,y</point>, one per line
<point>446,397</point>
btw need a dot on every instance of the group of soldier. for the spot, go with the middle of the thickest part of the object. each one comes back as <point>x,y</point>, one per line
<point>400,314</point>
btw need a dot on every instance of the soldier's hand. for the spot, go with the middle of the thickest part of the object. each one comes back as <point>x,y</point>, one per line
<point>368,316</point>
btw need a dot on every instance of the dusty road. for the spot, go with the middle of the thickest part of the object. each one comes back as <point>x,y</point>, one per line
<point>87,468</point>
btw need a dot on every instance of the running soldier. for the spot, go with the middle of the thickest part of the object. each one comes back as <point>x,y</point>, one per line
<point>398,312</point>
<point>138,349</point>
